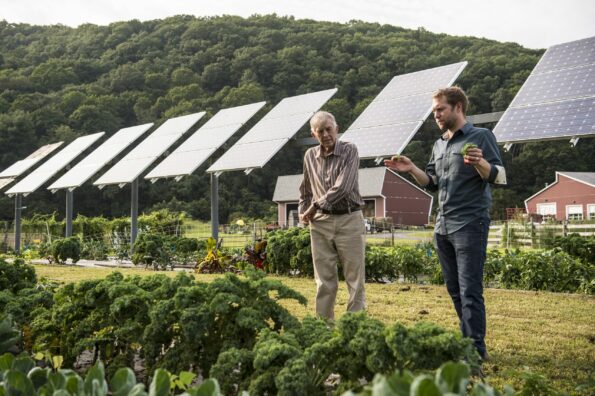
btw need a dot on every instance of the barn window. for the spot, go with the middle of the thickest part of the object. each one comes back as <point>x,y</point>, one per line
<point>591,211</point>
<point>547,210</point>
<point>574,212</point>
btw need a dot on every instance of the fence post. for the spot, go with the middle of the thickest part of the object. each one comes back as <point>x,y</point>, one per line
<point>392,234</point>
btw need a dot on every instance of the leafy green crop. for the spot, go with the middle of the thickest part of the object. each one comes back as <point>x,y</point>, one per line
<point>20,376</point>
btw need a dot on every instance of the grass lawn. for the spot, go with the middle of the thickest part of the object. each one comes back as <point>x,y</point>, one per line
<point>550,333</point>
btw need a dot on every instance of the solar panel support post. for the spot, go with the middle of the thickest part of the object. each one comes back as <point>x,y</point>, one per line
<point>133,213</point>
<point>69,205</point>
<point>215,206</point>
<point>18,207</point>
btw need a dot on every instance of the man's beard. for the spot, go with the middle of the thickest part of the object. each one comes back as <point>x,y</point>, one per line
<point>448,124</point>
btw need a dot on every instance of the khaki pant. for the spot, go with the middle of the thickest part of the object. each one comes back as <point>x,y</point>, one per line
<point>334,239</point>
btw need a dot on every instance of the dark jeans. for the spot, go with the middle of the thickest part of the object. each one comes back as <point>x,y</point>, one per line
<point>462,255</point>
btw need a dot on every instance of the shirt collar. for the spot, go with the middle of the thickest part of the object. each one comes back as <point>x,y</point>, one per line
<point>464,130</point>
<point>338,150</point>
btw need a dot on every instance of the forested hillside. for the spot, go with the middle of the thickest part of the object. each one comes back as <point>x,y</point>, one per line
<point>58,82</point>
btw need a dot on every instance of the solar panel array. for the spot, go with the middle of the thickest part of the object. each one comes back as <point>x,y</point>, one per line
<point>204,142</point>
<point>20,167</point>
<point>558,98</point>
<point>54,165</point>
<point>91,164</point>
<point>139,159</point>
<point>272,132</point>
<point>390,121</point>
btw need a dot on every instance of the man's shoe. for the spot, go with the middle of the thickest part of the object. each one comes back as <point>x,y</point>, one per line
<point>484,357</point>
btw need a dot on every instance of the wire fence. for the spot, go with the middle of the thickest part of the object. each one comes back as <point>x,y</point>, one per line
<point>232,236</point>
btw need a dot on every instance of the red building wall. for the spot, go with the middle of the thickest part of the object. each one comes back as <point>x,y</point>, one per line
<point>564,192</point>
<point>405,203</point>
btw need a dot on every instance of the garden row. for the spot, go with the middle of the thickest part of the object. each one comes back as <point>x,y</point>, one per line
<point>569,266</point>
<point>232,329</point>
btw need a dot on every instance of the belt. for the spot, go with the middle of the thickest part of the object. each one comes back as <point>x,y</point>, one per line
<point>340,211</point>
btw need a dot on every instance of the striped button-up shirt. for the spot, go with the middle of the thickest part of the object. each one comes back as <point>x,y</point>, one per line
<point>332,180</point>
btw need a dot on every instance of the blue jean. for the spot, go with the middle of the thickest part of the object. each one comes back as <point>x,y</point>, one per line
<point>462,255</point>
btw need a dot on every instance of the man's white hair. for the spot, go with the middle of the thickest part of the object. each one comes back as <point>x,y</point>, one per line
<point>322,115</point>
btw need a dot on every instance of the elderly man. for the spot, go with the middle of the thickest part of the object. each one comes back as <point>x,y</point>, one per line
<point>465,161</point>
<point>331,204</point>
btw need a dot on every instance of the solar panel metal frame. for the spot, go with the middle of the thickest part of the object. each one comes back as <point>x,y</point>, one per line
<point>21,166</point>
<point>298,108</point>
<point>93,163</point>
<point>401,89</point>
<point>555,62</point>
<point>191,154</point>
<point>146,153</point>
<point>54,165</point>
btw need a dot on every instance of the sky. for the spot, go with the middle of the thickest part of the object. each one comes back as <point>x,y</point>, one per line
<point>531,23</point>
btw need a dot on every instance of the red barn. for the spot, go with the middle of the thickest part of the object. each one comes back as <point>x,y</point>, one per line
<point>386,194</point>
<point>570,197</point>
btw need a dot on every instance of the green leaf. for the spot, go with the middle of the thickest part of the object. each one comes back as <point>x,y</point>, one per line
<point>137,390</point>
<point>57,380</point>
<point>186,377</point>
<point>6,361</point>
<point>122,382</point>
<point>17,381</point>
<point>424,385</point>
<point>38,376</point>
<point>381,387</point>
<point>23,363</point>
<point>161,383</point>
<point>99,388</point>
<point>209,387</point>
<point>400,383</point>
<point>453,377</point>
<point>74,384</point>
<point>95,378</point>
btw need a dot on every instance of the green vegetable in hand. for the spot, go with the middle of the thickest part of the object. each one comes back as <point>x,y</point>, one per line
<point>466,148</point>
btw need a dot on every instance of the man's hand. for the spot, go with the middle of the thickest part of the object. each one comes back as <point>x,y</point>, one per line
<point>308,214</point>
<point>473,156</point>
<point>403,164</point>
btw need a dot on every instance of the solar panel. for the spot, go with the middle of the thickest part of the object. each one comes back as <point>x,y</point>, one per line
<point>204,142</point>
<point>19,167</point>
<point>54,165</point>
<point>89,166</point>
<point>6,182</point>
<point>389,122</point>
<point>566,55</point>
<point>271,133</point>
<point>557,85</point>
<point>560,119</point>
<point>557,100</point>
<point>135,162</point>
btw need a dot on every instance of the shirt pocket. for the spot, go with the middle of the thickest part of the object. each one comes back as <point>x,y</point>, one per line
<point>458,164</point>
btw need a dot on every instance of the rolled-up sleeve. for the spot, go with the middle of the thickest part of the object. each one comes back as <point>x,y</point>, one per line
<point>491,153</point>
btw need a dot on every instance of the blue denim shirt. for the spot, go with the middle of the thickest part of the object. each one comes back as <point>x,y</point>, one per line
<point>463,196</point>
